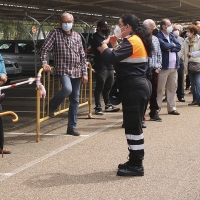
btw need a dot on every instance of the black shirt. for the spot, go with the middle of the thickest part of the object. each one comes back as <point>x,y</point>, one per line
<point>99,62</point>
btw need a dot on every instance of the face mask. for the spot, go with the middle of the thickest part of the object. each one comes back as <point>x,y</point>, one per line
<point>155,32</point>
<point>104,31</point>
<point>176,33</point>
<point>188,34</point>
<point>66,26</point>
<point>117,31</point>
<point>169,29</point>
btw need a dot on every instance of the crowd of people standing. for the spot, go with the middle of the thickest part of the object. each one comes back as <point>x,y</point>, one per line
<point>148,63</point>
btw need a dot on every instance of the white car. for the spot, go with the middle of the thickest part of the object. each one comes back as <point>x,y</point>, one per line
<point>13,69</point>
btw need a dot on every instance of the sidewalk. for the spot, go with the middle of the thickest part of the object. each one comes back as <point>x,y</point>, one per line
<point>84,168</point>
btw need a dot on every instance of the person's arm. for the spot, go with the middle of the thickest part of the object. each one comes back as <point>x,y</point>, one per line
<point>181,53</point>
<point>165,46</point>
<point>121,52</point>
<point>177,46</point>
<point>195,54</point>
<point>46,47</point>
<point>3,77</point>
<point>159,58</point>
<point>83,62</point>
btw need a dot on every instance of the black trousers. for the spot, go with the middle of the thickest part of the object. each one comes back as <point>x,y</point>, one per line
<point>104,81</point>
<point>187,81</point>
<point>1,128</point>
<point>153,99</point>
<point>180,88</point>
<point>135,92</point>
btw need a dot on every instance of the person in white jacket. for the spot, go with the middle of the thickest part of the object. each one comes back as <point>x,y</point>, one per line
<point>191,52</point>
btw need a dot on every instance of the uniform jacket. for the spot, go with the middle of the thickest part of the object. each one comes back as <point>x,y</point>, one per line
<point>129,57</point>
<point>165,46</point>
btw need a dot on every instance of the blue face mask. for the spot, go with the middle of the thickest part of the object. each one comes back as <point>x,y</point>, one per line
<point>66,26</point>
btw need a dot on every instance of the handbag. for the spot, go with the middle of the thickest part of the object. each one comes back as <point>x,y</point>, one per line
<point>194,67</point>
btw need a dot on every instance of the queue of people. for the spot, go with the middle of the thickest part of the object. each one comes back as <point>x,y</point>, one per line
<point>133,52</point>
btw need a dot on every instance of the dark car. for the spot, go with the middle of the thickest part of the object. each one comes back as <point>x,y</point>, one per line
<point>25,52</point>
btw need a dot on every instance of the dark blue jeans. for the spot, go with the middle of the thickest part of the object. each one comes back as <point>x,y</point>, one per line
<point>195,86</point>
<point>71,89</point>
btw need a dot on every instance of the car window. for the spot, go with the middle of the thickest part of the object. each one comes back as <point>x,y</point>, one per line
<point>25,48</point>
<point>8,47</point>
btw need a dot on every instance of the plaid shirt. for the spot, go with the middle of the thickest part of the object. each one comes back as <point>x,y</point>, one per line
<point>155,61</point>
<point>69,55</point>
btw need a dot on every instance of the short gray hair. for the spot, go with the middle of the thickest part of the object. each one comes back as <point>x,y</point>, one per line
<point>148,22</point>
<point>67,14</point>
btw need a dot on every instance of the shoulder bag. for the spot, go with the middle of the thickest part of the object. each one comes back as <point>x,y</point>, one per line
<point>193,67</point>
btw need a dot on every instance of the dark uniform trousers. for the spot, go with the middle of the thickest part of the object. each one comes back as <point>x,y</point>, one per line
<point>136,92</point>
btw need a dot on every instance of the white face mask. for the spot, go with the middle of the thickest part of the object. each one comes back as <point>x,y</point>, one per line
<point>118,32</point>
<point>188,34</point>
<point>66,26</point>
<point>176,33</point>
<point>169,29</point>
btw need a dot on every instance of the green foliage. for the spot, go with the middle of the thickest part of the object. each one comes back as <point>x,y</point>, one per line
<point>21,30</point>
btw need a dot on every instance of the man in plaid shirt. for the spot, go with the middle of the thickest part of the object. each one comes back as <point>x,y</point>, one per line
<point>155,63</point>
<point>70,64</point>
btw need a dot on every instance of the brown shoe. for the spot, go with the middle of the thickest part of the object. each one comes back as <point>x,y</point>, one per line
<point>174,112</point>
<point>5,151</point>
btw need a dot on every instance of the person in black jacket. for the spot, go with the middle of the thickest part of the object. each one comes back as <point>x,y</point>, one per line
<point>104,71</point>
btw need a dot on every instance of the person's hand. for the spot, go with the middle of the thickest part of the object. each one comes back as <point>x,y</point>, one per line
<point>46,67</point>
<point>189,54</point>
<point>84,79</point>
<point>158,71</point>
<point>3,78</point>
<point>1,82</point>
<point>113,40</point>
<point>107,40</point>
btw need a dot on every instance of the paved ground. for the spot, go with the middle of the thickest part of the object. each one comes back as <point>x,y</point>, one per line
<point>84,168</point>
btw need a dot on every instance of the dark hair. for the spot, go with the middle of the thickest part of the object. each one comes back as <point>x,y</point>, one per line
<point>193,29</point>
<point>102,23</point>
<point>140,30</point>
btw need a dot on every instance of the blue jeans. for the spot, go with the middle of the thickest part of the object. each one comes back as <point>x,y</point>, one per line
<point>71,89</point>
<point>195,86</point>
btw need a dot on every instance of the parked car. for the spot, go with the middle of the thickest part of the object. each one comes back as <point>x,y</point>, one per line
<point>25,53</point>
<point>13,68</point>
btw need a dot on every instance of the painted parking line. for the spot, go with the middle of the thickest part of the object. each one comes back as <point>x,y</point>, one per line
<point>4,176</point>
<point>48,134</point>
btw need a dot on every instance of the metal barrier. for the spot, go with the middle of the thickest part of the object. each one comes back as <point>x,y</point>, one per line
<point>51,82</point>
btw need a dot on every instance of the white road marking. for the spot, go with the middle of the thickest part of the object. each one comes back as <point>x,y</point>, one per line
<point>49,134</point>
<point>4,176</point>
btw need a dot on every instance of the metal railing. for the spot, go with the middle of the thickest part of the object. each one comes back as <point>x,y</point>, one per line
<point>52,84</point>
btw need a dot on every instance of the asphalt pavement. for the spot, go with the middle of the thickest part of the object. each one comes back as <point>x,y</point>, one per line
<point>84,168</point>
